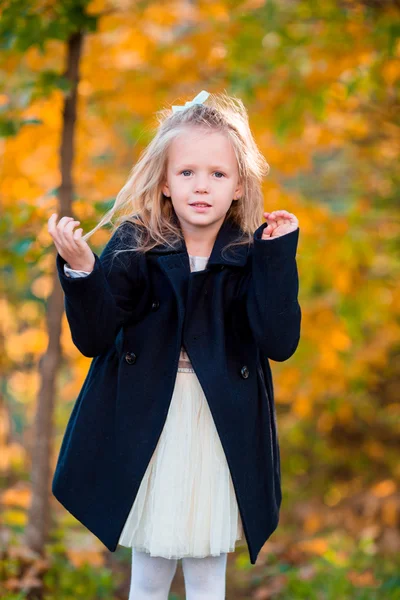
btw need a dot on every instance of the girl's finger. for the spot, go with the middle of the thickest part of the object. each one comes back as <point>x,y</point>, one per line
<point>280,213</point>
<point>54,231</point>
<point>63,221</point>
<point>69,239</point>
<point>280,218</point>
<point>283,221</point>
<point>69,228</point>
<point>285,217</point>
<point>270,229</point>
<point>52,219</point>
<point>51,224</point>
<point>266,232</point>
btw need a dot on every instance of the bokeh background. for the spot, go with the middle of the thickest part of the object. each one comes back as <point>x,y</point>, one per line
<point>80,83</point>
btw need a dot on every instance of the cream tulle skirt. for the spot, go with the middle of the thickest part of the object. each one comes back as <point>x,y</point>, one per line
<point>186,503</point>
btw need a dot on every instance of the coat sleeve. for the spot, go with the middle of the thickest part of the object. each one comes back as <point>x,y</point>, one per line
<point>273,309</point>
<point>98,304</point>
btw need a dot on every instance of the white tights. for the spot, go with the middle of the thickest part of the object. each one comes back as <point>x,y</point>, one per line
<point>152,576</point>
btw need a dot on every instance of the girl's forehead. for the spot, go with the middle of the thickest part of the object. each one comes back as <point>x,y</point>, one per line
<point>198,132</point>
<point>196,143</point>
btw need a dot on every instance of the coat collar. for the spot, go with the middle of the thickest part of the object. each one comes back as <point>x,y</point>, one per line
<point>228,232</point>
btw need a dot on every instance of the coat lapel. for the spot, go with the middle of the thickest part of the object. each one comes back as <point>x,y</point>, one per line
<point>175,262</point>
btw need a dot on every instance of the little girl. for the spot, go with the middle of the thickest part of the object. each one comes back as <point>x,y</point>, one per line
<point>172,446</point>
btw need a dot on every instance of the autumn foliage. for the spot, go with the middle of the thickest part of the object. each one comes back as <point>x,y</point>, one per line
<point>321,84</point>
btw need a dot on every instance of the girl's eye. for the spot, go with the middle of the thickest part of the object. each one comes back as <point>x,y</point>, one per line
<point>189,171</point>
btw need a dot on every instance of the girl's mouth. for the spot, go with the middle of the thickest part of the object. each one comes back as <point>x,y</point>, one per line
<point>200,207</point>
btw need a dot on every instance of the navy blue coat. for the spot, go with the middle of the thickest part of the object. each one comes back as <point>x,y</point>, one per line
<point>132,314</point>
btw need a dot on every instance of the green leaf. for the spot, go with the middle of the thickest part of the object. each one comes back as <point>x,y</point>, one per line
<point>8,127</point>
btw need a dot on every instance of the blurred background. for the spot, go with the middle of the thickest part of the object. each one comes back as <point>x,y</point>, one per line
<point>80,83</point>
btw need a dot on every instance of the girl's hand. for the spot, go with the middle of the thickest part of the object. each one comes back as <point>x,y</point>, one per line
<point>75,251</point>
<point>279,222</point>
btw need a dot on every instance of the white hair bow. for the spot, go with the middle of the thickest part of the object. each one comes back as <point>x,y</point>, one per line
<point>199,99</point>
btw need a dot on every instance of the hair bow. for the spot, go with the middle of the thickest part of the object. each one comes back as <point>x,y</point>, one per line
<point>199,99</point>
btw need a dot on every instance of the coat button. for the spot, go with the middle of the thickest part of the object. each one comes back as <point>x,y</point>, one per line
<point>130,358</point>
<point>222,267</point>
<point>155,305</point>
<point>244,371</point>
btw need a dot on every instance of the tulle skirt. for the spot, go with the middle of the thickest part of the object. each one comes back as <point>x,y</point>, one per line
<point>186,503</point>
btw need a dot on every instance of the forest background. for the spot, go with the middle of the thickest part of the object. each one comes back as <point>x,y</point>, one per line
<point>80,82</point>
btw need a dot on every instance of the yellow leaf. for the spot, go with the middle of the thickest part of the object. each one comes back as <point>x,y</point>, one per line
<point>374,449</point>
<point>80,557</point>
<point>345,412</point>
<point>384,488</point>
<point>31,340</point>
<point>302,406</point>
<point>17,497</point>
<point>12,456</point>
<point>340,340</point>
<point>42,286</point>
<point>328,359</point>
<point>325,422</point>
<point>343,281</point>
<point>96,6</point>
<point>366,579</point>
<point>312,523</point>
<point>315,546</point>
<point>391,71</point>
<point>14,517</point>
<point>24,385</point>
<point>390,512</point>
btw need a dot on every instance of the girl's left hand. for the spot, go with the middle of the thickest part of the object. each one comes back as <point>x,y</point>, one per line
<point>279,222</point>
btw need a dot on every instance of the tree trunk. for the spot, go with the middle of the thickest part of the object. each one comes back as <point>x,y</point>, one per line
<point>37,529</point>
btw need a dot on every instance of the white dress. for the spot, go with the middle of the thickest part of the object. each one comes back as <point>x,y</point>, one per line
<point>186,503</point>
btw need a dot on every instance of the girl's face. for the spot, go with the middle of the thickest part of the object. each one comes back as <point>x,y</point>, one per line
<point>201,167</point>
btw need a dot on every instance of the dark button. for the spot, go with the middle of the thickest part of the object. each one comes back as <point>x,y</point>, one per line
<point>130,358</point>
<point>155,305</point>
<point>222,267</point>
<point>244,371</point>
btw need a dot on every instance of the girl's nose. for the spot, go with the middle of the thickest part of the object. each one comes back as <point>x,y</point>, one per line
<point>201,186</point>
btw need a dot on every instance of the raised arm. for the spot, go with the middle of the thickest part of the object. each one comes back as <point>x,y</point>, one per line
<point>114,292</point>
<point>272,296</point>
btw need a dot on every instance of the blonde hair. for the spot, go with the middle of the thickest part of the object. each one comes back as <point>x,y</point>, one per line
<point>141,200</point>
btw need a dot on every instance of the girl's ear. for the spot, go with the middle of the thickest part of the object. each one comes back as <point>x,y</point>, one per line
<point>238,191</point>
<point>165,190</point>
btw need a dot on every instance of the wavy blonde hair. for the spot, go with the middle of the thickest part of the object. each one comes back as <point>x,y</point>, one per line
<point>141,200</point>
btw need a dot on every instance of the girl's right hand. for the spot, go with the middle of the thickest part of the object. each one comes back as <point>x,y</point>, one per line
<point>70,246</point>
